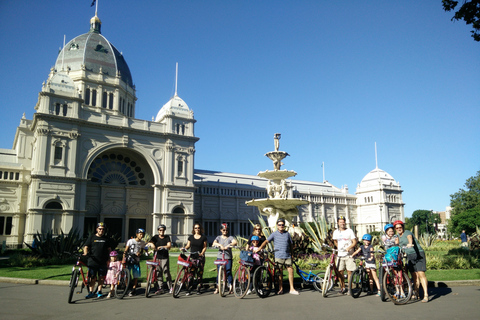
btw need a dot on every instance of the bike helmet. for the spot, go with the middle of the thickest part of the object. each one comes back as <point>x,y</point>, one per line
<point>388,226</point>
<point>100,225</point>
<point>398,222</point>
<point>281,220</point>
<point>113,254</point>
<point>162,226</point>
<point>255,238</point>
<point>341,218</point>
<point>367,237</point>
<point>140,230</point>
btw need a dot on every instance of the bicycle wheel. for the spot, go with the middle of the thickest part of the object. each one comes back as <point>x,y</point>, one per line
<point>382,289</point>
<point>326,280</point>
<point>317,282</point>
<point>179,281</point>
<point>149,281</point>
<point>262,281</point>
<point>222,281</point>
<point>406,288</point>
<point>122,283</point>
<point>73,285</point>
<point>356,283</point>
<point>241,282</point>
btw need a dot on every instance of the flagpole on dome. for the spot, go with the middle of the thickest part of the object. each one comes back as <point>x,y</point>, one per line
<point>176,78</point>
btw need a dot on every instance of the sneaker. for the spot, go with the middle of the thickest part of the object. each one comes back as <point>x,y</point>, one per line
<point>90,295</point>
<point>131,293</point>
<point>344,291</point>
<point>248,292</point>
<point>187,294</point>
<point>171,290</point>
<point>99,294</point>
<point>159,291</point>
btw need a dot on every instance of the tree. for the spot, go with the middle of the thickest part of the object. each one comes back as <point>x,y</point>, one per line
<point>422,218</point>
<point>469,12</point>
<point>466,220</point>
<point>466,207</point>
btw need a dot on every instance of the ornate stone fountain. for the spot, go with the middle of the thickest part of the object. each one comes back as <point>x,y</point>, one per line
<point>277,205</point>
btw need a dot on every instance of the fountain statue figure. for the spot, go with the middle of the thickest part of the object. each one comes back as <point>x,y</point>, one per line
<point>278,204</point>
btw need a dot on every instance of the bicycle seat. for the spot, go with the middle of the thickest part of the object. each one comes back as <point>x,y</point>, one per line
<point>313,264</point>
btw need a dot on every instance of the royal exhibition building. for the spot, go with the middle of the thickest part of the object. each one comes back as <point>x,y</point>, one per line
<point>85,158</point>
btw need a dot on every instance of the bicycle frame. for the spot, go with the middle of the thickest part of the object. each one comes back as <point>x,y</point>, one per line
<point>396,278</point>
<point>310,277</point>
<point>77,271</point>
<point>185,274</point>
<point>221,274</point>
<point>332,269</point>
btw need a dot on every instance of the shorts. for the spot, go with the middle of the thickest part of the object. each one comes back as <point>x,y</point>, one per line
<point>283,262</point>
<point>417,262</point>
<point>370,265</point>
<point>135,269</point>
<point>346,262</point>
<point>101,271</point>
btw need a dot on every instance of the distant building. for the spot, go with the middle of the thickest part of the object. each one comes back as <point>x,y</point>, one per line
<point>85,158</point>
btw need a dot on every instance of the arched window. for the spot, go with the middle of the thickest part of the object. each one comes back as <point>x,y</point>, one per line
<point>53,205</point>
<point>178,210</point>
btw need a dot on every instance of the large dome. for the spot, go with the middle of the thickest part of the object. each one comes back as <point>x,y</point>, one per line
<point>93,52</point>
<point>175,106</point>
<point>375,176</point>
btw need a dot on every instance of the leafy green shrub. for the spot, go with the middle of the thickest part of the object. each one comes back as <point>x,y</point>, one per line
<point>30,261</point>
<point>47,245</point>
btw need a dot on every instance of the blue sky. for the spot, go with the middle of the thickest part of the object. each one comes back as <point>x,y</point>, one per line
<point>333,77</point>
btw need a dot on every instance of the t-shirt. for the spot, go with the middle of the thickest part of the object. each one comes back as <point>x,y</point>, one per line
<point>99,249</point>
<point>344,240</point>
<point>404,241</point>
<point>159,242</point>
<point>368,254</point>
<point>197,244</point>
<point>282,242</point>
<point>389,242</point>
<point>224,242</point>
<point>135,247</point>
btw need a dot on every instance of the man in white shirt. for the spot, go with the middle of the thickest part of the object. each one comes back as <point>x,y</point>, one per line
<point>345,241</point>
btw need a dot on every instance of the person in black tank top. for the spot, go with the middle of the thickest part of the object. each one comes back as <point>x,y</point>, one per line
<point>197,242</point>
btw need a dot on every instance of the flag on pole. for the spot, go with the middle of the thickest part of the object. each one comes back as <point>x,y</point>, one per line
<point>93,3</point>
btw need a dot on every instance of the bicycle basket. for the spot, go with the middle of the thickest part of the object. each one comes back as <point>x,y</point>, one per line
<point>247,256</point>
<point>220,262</point>
<point>183,261</point>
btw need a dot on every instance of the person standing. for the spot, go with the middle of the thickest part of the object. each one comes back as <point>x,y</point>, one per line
<point>257,231</point>
<point>162,243</point>
<point>197,242</point>
<point>224,243</point>
<point>345,241</point>
<point>417,263</point>
<point>135,247</point>
<point>97,248</point>
<point>464,238</point>
<point>283,254</point>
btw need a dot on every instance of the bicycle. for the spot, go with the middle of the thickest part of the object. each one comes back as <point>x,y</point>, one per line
<point>186,273</point>
<point>309,278</point>
<point>266,275</point>
<point>360,280</point>
<point>123,277</point>
<point>241,281</point>
<point>396,283</point>
<point>222,274</point>
<point>154,273</point>
<point>77,271</point>
<point>328,278</point>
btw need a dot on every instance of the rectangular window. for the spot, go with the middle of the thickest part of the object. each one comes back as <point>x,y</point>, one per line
<point>2,225</point>
<point>94,97</point>
<point>57,109</point>
<point>8,226</point>
<point>65,110</point>
<point>110,101</point>
<point>58,153</point>
<point>180,168</point>
<point>87,96</point>
<point>104,100</point>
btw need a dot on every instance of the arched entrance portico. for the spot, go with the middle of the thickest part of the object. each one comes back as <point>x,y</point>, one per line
<point>119,192</point>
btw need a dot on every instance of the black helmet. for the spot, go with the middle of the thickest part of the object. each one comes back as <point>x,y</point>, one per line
<point>341,218</point>
<point>162,226</point>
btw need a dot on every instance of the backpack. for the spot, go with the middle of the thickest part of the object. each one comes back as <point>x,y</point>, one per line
<point>391,257</point>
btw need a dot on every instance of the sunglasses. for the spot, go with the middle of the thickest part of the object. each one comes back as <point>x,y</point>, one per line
<point>101,228</point>
<point>196,228</point>
<point>281,225</point>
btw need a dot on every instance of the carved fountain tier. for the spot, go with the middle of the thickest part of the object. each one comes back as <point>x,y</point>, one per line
<point>278,204</point>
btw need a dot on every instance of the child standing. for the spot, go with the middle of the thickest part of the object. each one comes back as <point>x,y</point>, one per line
<point>389,239</point>
<point>135,247</point>
<point>225,243</point>
<point>113,268</point>
<point>367,251</point>
<point>255,243</point>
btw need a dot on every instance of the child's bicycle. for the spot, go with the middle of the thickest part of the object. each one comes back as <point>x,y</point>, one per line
<point>266,276</point>
<point>330,273</point>
<point>309,278</point>
<point>77,271</point>
<point>122,282</point>
<point>154,274</point>
<point>395,282</point>
<point>360,280</point>
<point>185,276</point>
<point>222,274</point>
<point>241,281</point>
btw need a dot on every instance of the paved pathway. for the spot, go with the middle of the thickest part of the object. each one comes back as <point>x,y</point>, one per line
<point>22,301</point>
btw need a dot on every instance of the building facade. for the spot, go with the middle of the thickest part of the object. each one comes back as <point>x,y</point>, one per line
<point>85,158</point>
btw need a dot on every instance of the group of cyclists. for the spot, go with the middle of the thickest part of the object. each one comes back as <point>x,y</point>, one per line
<point>102,261</point>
